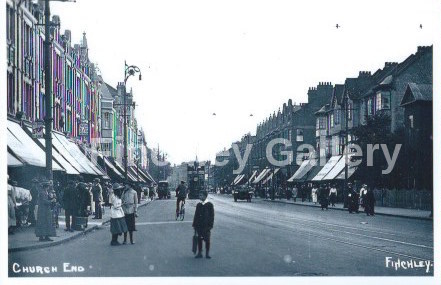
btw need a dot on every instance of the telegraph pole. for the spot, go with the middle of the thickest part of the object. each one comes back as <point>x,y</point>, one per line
<point>48,89</point>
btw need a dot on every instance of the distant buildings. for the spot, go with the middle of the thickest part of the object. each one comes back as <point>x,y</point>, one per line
<point>401,92</point>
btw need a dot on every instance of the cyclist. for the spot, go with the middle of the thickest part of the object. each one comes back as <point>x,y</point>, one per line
<point>181,194</point>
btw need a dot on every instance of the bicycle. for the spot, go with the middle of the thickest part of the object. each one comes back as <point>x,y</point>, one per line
<point>181,214</point>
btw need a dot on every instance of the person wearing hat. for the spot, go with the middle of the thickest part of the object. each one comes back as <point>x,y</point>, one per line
<point>12,205</point>
<point>83,198</point>
<point>203,223</point>
<point>45,227</point>
<point>130,207</point>
<point>97,196</point>
<point>117,218</point>
<point>363,192</point>
<point>323,197</point>
<point>70,201</point>
<point>181,194</point>
<point>369,202</point>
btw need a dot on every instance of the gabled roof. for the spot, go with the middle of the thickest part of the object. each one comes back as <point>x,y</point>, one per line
<point>417,92</point>
<point>356,87</point>
<point>337,94</point>
<point>108,91</point>
<point>323,110</point>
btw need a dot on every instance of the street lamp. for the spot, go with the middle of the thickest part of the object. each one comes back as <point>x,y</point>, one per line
<point>129,70</point>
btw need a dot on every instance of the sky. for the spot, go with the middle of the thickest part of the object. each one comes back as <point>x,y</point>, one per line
<point>236,58</point>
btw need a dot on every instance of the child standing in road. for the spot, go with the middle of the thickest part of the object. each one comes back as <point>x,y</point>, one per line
<point>203,223</point>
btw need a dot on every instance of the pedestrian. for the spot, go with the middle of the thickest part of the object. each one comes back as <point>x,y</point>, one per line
<point>314,193</point>
<point>12,204</point>
<point>34,201</point>
<point>203,223</point>
<point>333,195</point>
<point>45,227</point>
<point>55,206</point>
<point>353,201</point>
<point>83,200</point>
<point>97,193</point>
<point>323,197</point>
<point>70,200</point>
<point>130,207</point>
<point>118,224</point>
<point>363,192</point>
<point>295,192</point>
<point>369,202</point>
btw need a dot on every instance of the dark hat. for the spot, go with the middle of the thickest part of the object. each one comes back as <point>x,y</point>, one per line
<point>82,185</point>
<point>96,180</point>
<point>117,186</point>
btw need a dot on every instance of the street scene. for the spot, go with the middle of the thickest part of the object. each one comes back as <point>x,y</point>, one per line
<point>301,239</point>
<point>213,148</point>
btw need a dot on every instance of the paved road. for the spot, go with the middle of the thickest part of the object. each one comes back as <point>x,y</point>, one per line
<point>248,239</point>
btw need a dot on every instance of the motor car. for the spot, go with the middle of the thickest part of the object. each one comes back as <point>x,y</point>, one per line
<point>243,193</point>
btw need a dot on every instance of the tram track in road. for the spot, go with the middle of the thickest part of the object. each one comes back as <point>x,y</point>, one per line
<point>249,207</point>
<point>324,229</point>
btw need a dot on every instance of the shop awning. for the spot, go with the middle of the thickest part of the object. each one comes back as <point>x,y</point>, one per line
<point>148,176</point>
<point>236,179</point>
<point>253,175</point>
<point>71,152</point>
<point>13,162</point>
<point>142,174</point>
<point>61,160</point>
<point>110,167</point>
<point>261,175</point>
<point>351,170</point>
<point>23,146</point>
<point>327,168</point>
<point>240,178</point>
<point>134,173</point>
<point>338,168</point>
<point>304,168</point>
<point>270,176</point>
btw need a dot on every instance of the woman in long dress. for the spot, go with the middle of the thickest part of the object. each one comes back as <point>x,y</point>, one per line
<point>118,224</point>
<point>45,220</point>
<point>314,194</point>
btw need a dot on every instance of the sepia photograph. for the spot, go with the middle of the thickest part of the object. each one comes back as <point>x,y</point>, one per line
<point>220,141</point>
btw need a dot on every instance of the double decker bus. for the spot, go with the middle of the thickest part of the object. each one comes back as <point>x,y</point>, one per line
<point>195,179</point>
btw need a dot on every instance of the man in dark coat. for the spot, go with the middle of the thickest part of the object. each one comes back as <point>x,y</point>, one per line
<point>83,200</point>
<point>45,227</point>
<point>203,223</point>
<point>97,194</point>
<point>70,201</point>
<point>323,197</point>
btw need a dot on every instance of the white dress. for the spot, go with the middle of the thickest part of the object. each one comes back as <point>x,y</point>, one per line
<point>314,195</point>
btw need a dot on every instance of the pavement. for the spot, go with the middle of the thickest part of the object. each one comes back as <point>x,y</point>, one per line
<point>24,237</point>
<point>248,239</point>
<point>382,211</point>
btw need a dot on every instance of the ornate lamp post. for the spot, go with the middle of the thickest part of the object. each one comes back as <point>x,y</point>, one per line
<point>129,70</point>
